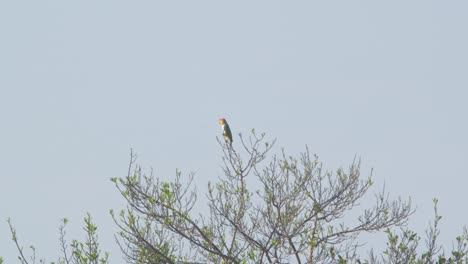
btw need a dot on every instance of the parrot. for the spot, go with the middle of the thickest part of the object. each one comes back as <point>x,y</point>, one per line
<point>226,131</point>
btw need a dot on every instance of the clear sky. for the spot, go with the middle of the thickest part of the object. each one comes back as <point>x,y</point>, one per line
<point>82,82</point>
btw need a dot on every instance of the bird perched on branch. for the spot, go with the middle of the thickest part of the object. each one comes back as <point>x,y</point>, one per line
<point>226,131</point>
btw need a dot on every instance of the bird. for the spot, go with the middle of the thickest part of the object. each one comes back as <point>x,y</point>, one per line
<point>226,131</point>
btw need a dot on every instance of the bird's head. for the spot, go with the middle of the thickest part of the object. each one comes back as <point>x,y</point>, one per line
<point>222,121</point>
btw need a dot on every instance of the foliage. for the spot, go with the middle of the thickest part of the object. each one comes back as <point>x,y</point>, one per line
<point>294,216</point>
<point>262,209</point>
<point>403,248</point>
<point>86,252</point>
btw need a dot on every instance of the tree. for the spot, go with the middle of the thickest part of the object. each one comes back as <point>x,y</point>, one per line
<point>87,252</point>
<point>403,248</point>
<point>295,216</point>
<point>263,209</point>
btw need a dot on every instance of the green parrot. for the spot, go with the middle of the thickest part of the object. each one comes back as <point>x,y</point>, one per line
<point>226,131</point>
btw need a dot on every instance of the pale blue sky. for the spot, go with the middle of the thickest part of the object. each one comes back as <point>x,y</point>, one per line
<point>81,82</point>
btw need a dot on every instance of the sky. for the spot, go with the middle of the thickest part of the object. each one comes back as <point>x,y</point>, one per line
<point>82,82</point>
